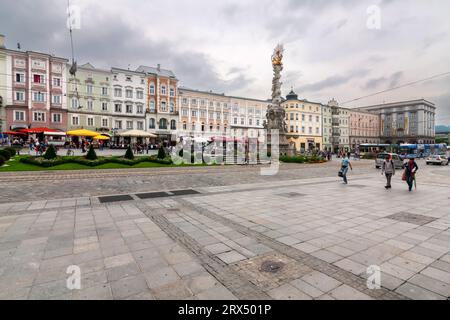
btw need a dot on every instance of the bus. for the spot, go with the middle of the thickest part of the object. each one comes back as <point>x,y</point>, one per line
<point>370,150</point>
<point>422,150</point>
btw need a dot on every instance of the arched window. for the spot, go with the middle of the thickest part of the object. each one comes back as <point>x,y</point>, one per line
<point>173,125</point>
<point>152,105</point>
<point>151,124</point>
<point>203,127</point>
<point>163,124</point>
<point>163,90</point>
<point>152,88</point>
<point>172,107</point>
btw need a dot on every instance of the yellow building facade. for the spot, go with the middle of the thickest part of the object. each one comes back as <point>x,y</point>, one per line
<point>304,123</point>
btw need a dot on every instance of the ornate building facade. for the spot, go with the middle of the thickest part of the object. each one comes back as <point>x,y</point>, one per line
<point>406,121</point>
<point>89,99</point>
<point>128,101</point>
<point>304,123</point>
<point>34,90</point>
<point>364,128</point>
<point>162,114</point>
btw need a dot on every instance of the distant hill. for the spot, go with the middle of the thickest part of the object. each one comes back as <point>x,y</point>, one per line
<point>440,129</point>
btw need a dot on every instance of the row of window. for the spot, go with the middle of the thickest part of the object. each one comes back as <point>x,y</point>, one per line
<point>250,121</point>
<point>302,107</point>
<point>203,114</point>
<point>37,96</point>
<point>163,90</point>
<point>37,79</point>
<point>128,93</point>
<point>38,116</point>
<point>202,102</point>
<point>292,115</point>
<point>162,124</point>
<point>310,130</point>
<point>203,127</point>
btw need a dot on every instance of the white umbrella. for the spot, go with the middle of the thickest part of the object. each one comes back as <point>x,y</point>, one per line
<point>137,133</point>
<point>200,139</point>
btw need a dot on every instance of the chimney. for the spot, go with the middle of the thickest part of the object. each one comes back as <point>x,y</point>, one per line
<point>2,41</point>
<point>159,67</point>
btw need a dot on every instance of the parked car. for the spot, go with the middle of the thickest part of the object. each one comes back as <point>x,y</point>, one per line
<point>398,163</point>
<point>437,159</point>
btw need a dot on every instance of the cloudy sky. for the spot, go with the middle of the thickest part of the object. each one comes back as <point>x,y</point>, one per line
<point>225,45</point>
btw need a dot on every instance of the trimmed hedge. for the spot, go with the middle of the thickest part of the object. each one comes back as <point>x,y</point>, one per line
<point>302,159</point>
<point>129,154</point>
<point>91,155</point>
<point>50,153</point>
<point>2,161</point>
<point>11,151</point>
<point>94,163</point>
<point>5,154</point>
<point>161,153</point>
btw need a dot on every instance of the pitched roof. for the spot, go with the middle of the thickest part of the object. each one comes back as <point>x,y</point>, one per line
<point>160,72</point>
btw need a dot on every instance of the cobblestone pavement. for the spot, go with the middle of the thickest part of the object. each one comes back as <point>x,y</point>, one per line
<point>317,236</point>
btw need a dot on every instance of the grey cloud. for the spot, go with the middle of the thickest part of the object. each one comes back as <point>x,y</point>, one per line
<point>107,40</point>
<point>392,81</point>
<point>334,81</point>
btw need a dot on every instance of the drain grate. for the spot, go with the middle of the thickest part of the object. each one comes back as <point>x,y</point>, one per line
<point>151,195</point>
<point>115,198</point>
<point>272,266</point>
<point>416,219</point>
<point>291,195</point>
<point>184,192</point>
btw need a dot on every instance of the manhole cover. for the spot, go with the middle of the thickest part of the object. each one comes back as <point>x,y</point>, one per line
<point>271,266</point>
<point>416,219</point>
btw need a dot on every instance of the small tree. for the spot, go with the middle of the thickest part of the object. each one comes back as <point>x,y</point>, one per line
<point>2,161</point>
<point>161,153</point>
<point>50,153</point>
<point>91,155</point>
<point>129,154</point>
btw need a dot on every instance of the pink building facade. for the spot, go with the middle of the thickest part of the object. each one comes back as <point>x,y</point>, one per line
<point>364,128</point>
<point>36,90</point>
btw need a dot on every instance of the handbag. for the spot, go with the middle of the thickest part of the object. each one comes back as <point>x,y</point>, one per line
<point>404,176</point>
<point>340,173</point>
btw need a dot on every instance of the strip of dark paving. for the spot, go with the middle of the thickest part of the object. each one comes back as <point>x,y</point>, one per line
<point>184,192</point>
<point>115,198</point>
<point>151,195</point>
<point>304,258</point>
<point>241,287</point>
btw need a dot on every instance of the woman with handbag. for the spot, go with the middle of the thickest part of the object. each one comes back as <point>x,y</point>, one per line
<point>409,175</point>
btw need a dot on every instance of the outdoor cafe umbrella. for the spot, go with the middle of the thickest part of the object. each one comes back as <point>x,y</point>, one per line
<point>82,133</point>
<point>101,137</point>
<point>137,133</point>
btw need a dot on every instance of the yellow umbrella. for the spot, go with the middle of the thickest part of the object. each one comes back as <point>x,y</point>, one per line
<point>101,137</point>
<point>82,133</point>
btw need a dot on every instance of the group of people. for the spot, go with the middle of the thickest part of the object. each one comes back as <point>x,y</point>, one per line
<point>38,146</point>
<point>410,168</point>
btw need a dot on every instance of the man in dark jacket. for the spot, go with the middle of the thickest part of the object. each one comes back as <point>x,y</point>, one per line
<point>411,168</point>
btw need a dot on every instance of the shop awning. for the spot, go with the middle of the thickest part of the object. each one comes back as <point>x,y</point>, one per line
<point>55,133</point>
<point>14,133</point>
<point>82,133</point>
<point>37,130</point>
<point>137,133</point>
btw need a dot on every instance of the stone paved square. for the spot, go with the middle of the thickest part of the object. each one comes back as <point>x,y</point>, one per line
<point>211,243</point>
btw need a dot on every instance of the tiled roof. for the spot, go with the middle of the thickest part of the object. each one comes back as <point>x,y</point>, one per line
<point>160,72</point>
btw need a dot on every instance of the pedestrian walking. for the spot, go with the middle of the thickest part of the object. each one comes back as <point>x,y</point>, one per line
<point>344,169</point>
<point>388,170</point>
<point>409,175</point>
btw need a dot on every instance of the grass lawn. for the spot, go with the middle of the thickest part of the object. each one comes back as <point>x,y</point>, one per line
<point>16,165</point>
